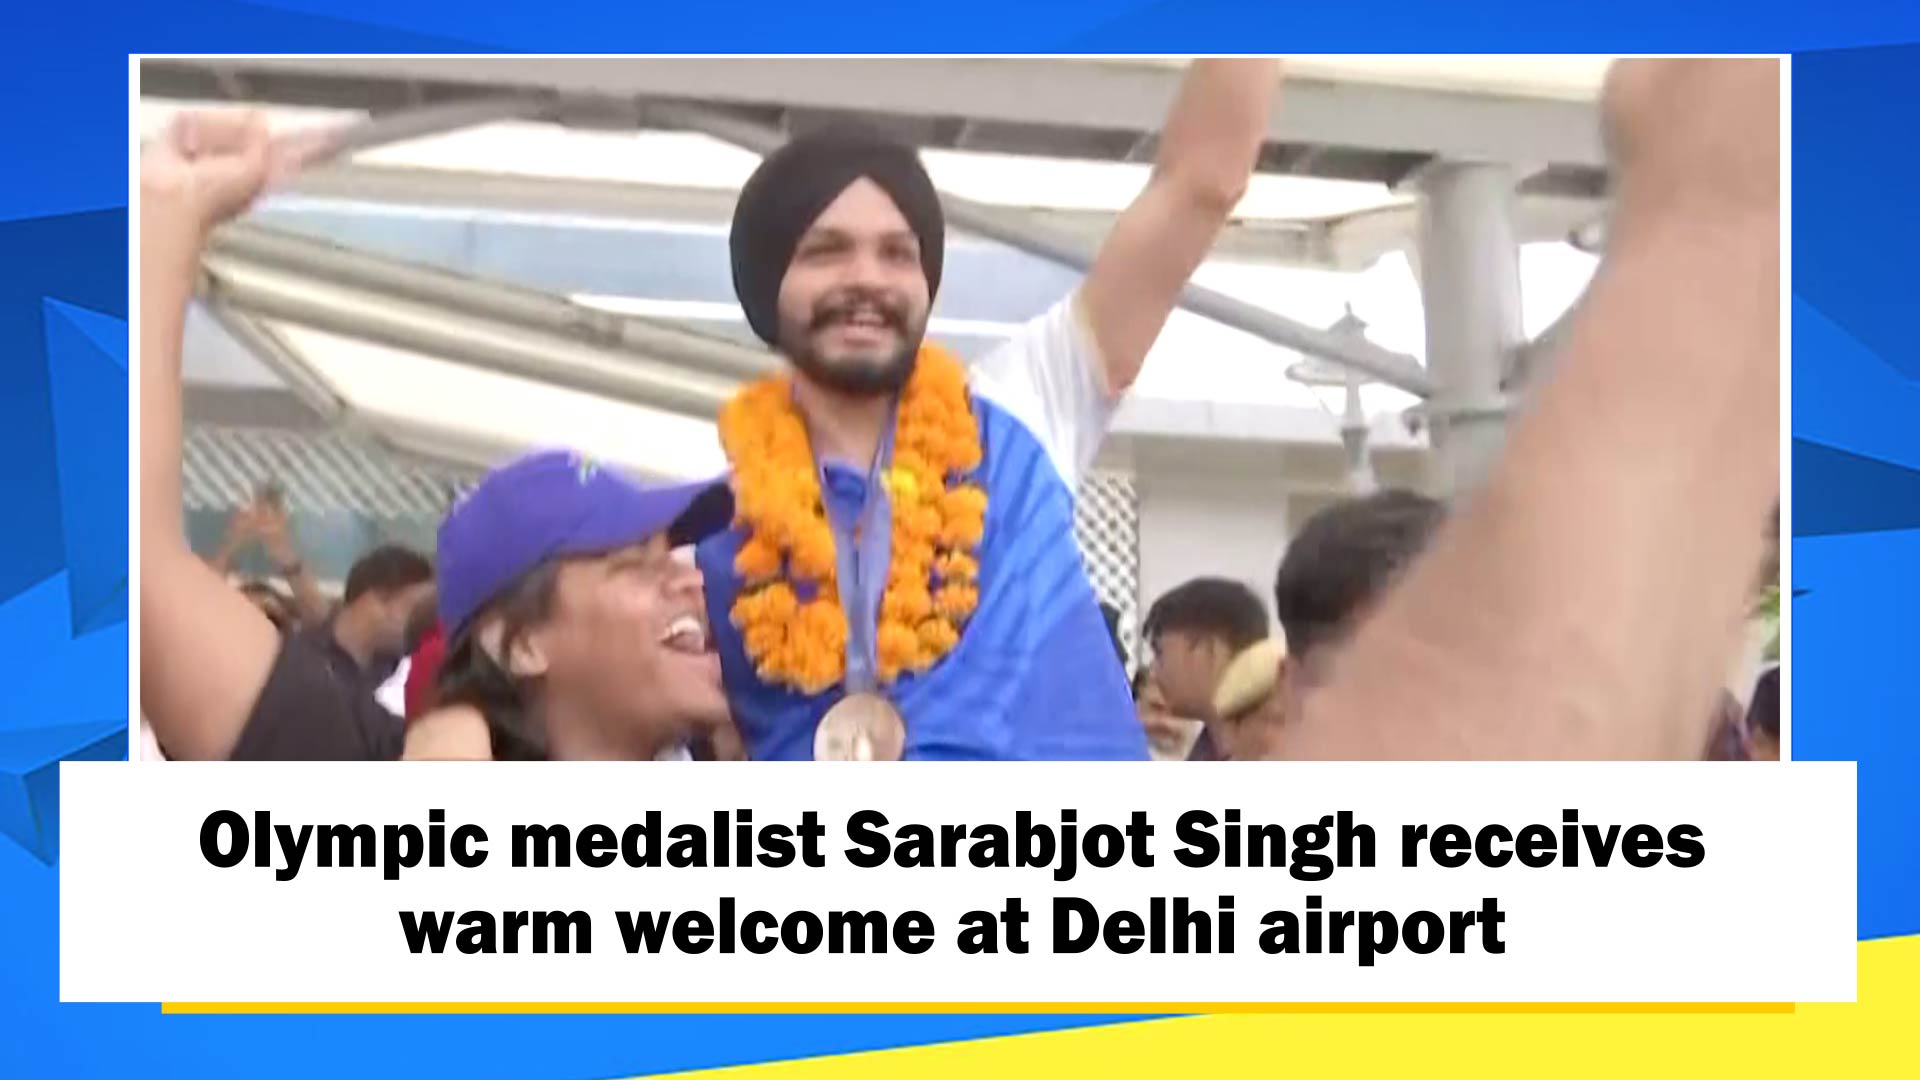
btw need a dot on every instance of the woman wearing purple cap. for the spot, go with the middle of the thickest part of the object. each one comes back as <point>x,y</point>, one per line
<point>573,629</point>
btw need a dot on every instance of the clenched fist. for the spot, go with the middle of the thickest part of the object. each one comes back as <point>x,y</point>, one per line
<point>209,166</point>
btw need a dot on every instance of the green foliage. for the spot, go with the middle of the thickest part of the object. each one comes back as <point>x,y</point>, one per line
<point>1767,607</point>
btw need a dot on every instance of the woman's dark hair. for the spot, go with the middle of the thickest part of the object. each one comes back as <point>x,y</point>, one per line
<point>1728,740</point>
<point>1763,714</point>
<point>469,676</point>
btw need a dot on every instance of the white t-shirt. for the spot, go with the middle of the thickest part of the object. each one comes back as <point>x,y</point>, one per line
<point>1051,377</point>
<point>149,744</point>
<point>392,694</point>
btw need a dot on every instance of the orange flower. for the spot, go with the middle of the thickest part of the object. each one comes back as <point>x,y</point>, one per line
<point>898,647</point>
<point>963,533</point>
<point>822,620</point>
<point>907,604</point>
<point>938,636</point>
<point>759,558</point>
<point>956,601</point>
<point>909,460</point>
<point>957,566</point>
<point>812,552</point>
<point>772,604</point>
<point>964,502</point>
<point>764,639</point>
<point>965,450</point>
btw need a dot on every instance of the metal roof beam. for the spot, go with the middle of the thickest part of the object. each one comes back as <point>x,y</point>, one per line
<point>1287,242</point>
<point>463,335</point>
<point>506,304</point>
<point>266,346</point>
<point>1111,97</point>
<point>1020,230</point>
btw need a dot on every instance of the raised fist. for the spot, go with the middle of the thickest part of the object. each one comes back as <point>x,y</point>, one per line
<point>243,525</point>
<point>270,524</point>
<point>1698,134</point>
<point>209,166</point>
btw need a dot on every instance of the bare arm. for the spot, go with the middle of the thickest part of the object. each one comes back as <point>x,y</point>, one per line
<point>451,733</point>
<point>205,651</point>
<point>276,536</point>
<point>312,604</point>
<point>239,534</point>
<point>1207,154</point>
<point>1584,604</point>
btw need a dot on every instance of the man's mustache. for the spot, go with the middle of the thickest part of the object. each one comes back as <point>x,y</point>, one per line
<point>840,308</point>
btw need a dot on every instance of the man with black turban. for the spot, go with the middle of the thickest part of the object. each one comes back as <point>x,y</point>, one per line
<point>902,578</point>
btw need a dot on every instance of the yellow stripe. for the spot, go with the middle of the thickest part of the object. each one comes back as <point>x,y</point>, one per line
<point>1869,1039</point>
<point>870,1008</point>
<point>1431,1041</point>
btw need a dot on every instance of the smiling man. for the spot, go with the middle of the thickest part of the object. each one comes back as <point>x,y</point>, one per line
<point>901,578</point>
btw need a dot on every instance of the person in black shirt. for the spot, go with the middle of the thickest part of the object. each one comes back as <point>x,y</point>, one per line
<point>580,631</point>
<point>387,590</point>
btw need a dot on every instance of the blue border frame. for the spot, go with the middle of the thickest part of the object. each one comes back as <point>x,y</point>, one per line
<point>63,402</point>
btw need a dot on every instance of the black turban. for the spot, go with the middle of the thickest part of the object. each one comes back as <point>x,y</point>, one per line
<point>798,181</point>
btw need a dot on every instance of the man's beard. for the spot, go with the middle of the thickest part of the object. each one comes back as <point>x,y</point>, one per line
<point>856,378</point>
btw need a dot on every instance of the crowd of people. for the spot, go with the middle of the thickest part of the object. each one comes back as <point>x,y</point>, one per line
<point>888,570</point>
<point>1338,566</point>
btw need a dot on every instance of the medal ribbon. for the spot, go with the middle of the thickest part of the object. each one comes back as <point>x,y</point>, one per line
<point>862,549</point>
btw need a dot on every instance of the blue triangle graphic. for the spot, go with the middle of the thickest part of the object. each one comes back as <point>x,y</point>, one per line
<point>108,333</point>
<point>30,778</point>
<point>87,386</point>
<point>1835,491</point>
<point>1848,397</point>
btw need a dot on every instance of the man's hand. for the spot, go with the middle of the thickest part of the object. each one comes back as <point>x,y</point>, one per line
<point>271,525</point>
<point>241,531</point>
<point>1208,151</point>
<point>207,167</point>
<point>276,537</point>
<point>242,527</point>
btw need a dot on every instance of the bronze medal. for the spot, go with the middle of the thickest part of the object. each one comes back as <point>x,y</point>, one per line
<point>860,727</point>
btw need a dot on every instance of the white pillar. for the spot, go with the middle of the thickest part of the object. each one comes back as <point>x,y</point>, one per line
<point>1227,519</point>
<point>1470,288</point>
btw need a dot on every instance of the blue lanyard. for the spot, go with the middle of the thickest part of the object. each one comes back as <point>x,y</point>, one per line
<point>862,549</point>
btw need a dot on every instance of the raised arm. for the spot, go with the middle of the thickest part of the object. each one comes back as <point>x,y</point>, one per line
<point>276,535</point>
<point>205,651</point>
<point>1208,149</point>
<point>240,532</point>
<point>1585,603</point>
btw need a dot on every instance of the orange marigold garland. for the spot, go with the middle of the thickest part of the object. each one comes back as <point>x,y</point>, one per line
<point>933,578</point>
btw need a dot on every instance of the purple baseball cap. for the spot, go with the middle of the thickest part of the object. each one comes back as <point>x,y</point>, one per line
<point>554,503</point>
